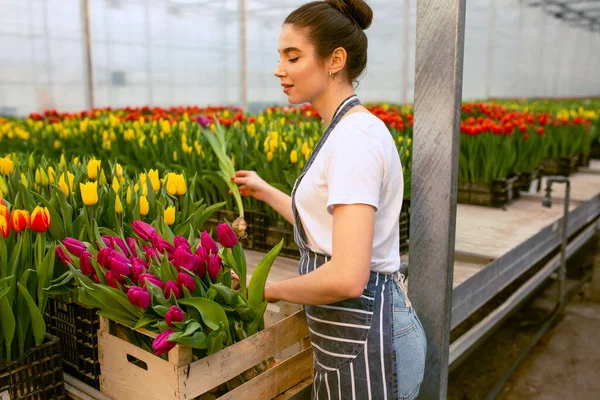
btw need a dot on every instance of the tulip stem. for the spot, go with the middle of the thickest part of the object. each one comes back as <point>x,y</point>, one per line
<point>90,222</point>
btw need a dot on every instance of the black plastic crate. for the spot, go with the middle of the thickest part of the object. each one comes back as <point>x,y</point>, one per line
<point>38,375</point>
<point>76,326</point>
<point>565,166</point>
<point>497,194</point>
<point>595,150</point>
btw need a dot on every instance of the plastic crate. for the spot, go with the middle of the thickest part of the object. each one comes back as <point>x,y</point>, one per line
<point>38,375</point>
<point>76,326</point>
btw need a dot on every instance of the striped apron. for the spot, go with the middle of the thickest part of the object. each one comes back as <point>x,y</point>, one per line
<point>352,339</point>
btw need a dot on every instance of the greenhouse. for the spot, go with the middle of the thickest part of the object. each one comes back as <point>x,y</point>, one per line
<point>260,199</point>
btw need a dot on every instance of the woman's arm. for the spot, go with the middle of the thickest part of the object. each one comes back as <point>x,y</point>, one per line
<point>281,202</point>
<point>347,273</point>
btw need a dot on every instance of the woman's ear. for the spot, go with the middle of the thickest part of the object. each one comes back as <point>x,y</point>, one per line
<point>337,60</point>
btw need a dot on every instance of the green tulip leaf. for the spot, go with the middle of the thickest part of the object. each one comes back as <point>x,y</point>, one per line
<point>198,341</point>
<point>145,320</point>
<point>256,290</point>
<point>8,325</point>
<point>211,312</point>
<point>37,321</point>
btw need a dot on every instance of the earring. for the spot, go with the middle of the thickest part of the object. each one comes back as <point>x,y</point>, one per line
<point>331,75</point>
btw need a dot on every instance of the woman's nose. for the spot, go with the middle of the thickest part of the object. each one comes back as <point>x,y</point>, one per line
<point>278,72</point>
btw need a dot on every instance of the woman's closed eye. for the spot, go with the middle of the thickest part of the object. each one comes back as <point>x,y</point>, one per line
<point>293,60</point>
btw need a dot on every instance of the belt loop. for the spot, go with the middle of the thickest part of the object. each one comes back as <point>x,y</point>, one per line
<point>400,279</point>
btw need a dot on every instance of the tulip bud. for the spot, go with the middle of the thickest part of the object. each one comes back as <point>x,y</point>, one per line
<point>171,287</point>
<point>115,184</point>
<point>44,178</point>
<point>85,265</point>
<point>51,176</point>
<point>208,243</point>
<point>162,245</point>
<point>180,185</point>
<point>226,235</point>
<point>63,256</point>
<point>214,266</point>
<point>95,278</point>
<point>111,281</point>
<point>74,246</point>
<point>138,267</point>
<point>143,230</point>
<point>128,197</point>
<point>203,121</point>
<point>153,175</point>
<point>180,241</point>
<point>144,206</point>
<point>169,215</point>
<point>139,297</point>
<point>103,257</point>
<point>102,180</point>
<point>40,219</point>
<point>171,184</point>
<point>118,205</point>
<point>19,220</point>
<point>118,170</point>
<point>151,278</point>
<point>151,253</point>
<point>4,228</point>
<point>92,168</point>
<point>174,315</point>
<point>119,268</point>
<point>161,344</point>
<point>203,254</point>
<point>132,244</point>
<point>185,280</point>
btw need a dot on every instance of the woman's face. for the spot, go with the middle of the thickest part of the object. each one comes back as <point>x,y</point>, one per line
<point>302,76</point>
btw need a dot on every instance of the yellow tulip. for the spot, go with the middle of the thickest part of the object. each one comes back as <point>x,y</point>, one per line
<point>92,168</point>
<point>181,186</point>
<point>115,184</point>
<point>31,161</point>
<point>154,180</point>
<point>294,156</point>
<point>171,184</point>
<point>174,155</point>
<point>118,205</point>
<point>270,156</point>
<point>169,215</point>
<point>24,180</point>
<point>6,166</point>
<point>63,185</point>
<point>128,195</point>
<point>89,193</point>
<point>3,186</point>
<point>118,170</point>
<point>144,206</point>
<point>62,161</point>
<point>51,176</point>
<point>102,179</point>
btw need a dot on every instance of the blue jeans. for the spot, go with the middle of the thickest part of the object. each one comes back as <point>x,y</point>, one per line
<point>410,345</point>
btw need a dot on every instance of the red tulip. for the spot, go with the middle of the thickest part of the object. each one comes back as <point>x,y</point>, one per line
<point>180,241</point>
<point>214,266</point>
<point>162,245</point>
<point>40,219</point>
<point>139,297</point>
<point>174,315</point>
<point>132,244</point>
<point>4,212</point>
<point>161,344</point>
<point>171,287</point>
<point>85,265</point>
<point>151,253</point>
<point>95,278</point>
<point>19,220</point>
<point>203,254</point>
<point>226,235</point>
<point>138,267</point>
<point>143,230</point>
<point>208,243</point>
<point>119,268</point>
<point>185,280</point>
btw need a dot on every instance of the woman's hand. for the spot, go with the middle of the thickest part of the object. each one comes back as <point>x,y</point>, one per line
<point>250,184</point>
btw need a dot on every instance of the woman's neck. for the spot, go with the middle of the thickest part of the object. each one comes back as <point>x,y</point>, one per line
<point>328,102</point>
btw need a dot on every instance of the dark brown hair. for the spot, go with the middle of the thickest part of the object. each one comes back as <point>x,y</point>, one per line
<point>336,23</point>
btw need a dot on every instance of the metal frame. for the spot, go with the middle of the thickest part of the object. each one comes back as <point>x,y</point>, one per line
<point>586,11</point>
<point>438,95</point>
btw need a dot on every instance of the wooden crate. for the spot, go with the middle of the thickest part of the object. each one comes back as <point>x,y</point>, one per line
<point>181,378</point>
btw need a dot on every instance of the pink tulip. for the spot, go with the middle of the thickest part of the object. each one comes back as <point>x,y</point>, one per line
<point>203,254</point>
<point>185,280</point>
<point>187,260</point>
<point>208,243</point>
<point>119,268</point>
<point>151,253</point>
<point>85,265</point>
<point>74,246</point>
<point>111,241</point>
<point>143,230</point>
<point>95,278</point>
<point>226,235</point>
<point>110,280</point>
<point>63,256</point>
<point>151,278</point>
<point>214,266</point>
<point>132,244</point>
<point>103,257</point>
<point>174,315</point>
<point>171,287</point>
<point>161,344</point>
<point>162,245</point>
<point>203,121</point>
<point>138,267</point>
<point>180,241</point>
<point>139,297</point>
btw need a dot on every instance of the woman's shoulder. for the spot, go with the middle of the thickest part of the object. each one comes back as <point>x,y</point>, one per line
<point>362,125</point>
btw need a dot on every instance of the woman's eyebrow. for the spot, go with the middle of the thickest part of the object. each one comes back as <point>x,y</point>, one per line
<point>289,49</point>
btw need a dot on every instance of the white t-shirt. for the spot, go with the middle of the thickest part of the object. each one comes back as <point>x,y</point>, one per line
<point>358,164</point>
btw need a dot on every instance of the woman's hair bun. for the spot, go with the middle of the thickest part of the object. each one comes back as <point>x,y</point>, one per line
<point>357,10</point>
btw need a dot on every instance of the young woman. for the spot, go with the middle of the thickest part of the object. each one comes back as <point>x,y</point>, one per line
<point>367,339</point>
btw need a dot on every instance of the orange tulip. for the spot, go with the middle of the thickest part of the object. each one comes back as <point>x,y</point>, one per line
<point>4,212</point>
<point>19,220</point>
<point>4,228</point>
<point>40,219</point>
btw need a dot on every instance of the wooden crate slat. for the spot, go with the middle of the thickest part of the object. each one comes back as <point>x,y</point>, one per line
<point>276,380</point>
<point>228,363</point>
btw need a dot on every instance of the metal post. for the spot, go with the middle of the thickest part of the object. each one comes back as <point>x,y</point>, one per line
<point>438,95</point>
<point>490,46</point>
<point>407,32</point>
<point>88,53</point>
<point>562,271</point>
<point>244,65</point>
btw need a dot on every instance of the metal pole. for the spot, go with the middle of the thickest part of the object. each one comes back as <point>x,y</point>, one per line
<point>88,53</point>
<point>490,55</point>
<point>406,49</point>
<point>244,65</point>
<point>438,95</point>
<point>562,271</point>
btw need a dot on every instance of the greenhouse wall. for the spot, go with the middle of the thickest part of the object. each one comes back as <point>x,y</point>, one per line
<point>168,53</point>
